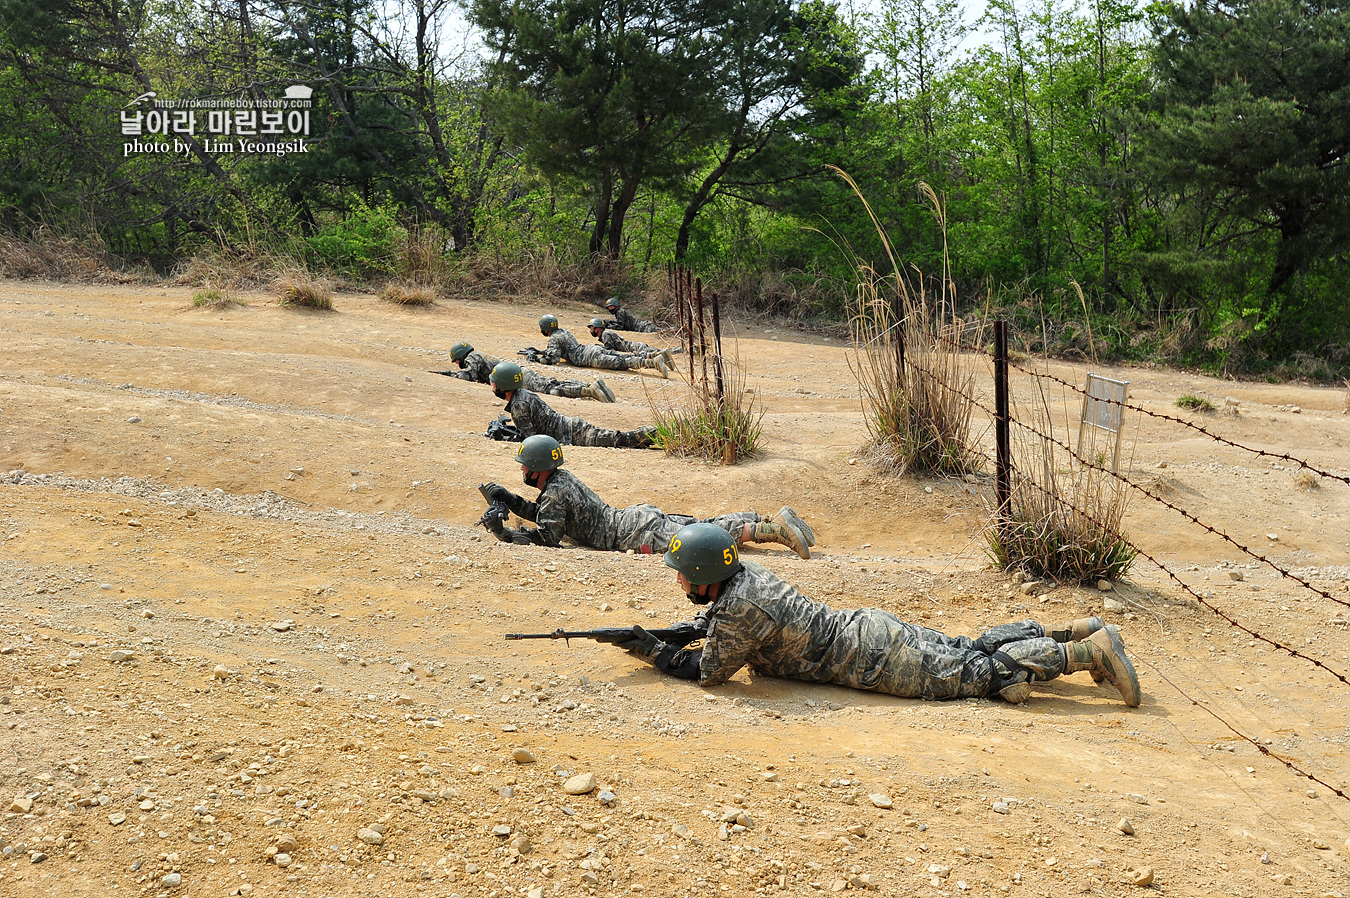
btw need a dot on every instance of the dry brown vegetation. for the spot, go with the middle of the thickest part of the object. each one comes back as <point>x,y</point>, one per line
<point>407,294</point>
<point>297,287</point>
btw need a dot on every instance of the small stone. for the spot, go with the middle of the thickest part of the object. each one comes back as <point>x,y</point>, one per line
<point>1104,585</point>
<point>1140,876</point>
<point>171,880</point>
<point>680,830</point>
<point>283,626</point>
<point>501,830</point>
<point>1282,879</point>
<point>403,700</point>
<point>221,672</point>
<point>880,799</point>
<point>523,756</point>
<point>117,818</point>
<point>1136,798</point>
<point>1113,606</point>
<point>1320,845</point>
<point>120,656</point>
<point>369,836</point>
<point>606,797</point>
<point>581,784</point>
<point>1235,575</point>
<point>1125,827</point>
<point>134,419</point>
<point>282,859</point>
<point>21,806</point>
<point>1000,807</point>
<point>37,857</point>
<point>521,843</point>
<point>286,843</point>
<point>589,878</point>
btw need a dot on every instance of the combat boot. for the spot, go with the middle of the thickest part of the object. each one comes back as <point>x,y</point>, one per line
<point>599,391</point>
<point>789,518</point>
<point>656,362</point>
<point>774,532</point>
<point>1103,653</point>
<point>1074,630</point>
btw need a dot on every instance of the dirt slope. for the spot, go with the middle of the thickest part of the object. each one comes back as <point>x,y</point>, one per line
<point>244,601</point>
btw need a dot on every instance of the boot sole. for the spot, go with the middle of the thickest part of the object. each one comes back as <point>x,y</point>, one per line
<point>787,516</point>
<point>1120,670</point>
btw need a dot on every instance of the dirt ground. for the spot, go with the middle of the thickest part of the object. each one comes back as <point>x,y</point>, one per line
<point>246,609</point>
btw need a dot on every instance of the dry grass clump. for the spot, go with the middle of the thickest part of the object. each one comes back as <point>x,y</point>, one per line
<point>722,428</point>
<point>213,298</point>
<point>1307,480</point>
<point>233,269</point>
<point>917,386</point>
<point>297,287</point>
<point>407,294</point>
<point>50,256</point>
<point>1065,513</point>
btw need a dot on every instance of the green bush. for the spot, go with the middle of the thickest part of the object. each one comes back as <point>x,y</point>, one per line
<point>366,242</point>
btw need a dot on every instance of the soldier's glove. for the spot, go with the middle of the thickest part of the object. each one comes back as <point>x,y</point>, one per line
<point>518,537</point>
<point>642,644</point>
<point>684,633</point>
<point>531,354</point>
<point>495,493</point>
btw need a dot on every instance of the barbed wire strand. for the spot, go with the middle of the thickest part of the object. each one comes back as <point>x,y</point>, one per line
<point>1302,463</point>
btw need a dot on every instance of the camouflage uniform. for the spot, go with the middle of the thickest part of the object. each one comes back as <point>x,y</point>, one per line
<point>532,415</point>
<point>568,507</point>
<point>761,621</point>
<point>614,343</point>
<point>562,345</point>
<point>477,367</point>
<point>625,320</point>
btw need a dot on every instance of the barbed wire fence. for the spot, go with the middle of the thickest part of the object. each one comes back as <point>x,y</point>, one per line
<point>1011,474</point>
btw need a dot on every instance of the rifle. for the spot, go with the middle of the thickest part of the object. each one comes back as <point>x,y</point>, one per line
<point>496,513</point>
<point>531,354</point>
<point>503,430</point>
<point>680,636</point>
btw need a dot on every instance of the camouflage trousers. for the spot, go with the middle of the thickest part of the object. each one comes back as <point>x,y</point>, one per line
<point>585,433</point>
<point>538,383</point>
<point>927,663</point>
<point>645,528</point>
<point>599,357</point>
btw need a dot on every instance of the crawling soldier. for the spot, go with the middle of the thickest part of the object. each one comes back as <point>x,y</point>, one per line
<point>568,507</point>
<point>475,366</point>
<point>531,415</point>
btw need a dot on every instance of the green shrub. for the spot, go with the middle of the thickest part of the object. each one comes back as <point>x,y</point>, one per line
<point>368,241</point>
<point>1194,403</point>
<point>211,298</point>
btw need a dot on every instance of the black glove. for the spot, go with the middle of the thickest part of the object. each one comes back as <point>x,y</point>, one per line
<point>642,644</point>
<point>531,354</point>
<point>494,517</point>
<point>494,493</point>
<point>519,537</point>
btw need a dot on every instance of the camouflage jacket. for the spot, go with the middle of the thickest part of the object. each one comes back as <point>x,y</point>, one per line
<point>613,342</point>
<point>562,346</point>
<point>625,320</point>
<point>477,367</point>
<point>532,415</point>
<point>760,621</point>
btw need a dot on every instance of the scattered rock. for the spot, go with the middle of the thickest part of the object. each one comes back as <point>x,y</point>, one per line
<point>1136,798</point>
<point>523,756</point>
<point>221,672</point>
<point>286,843</point>
<point>171,880</point>
<point>283,626</point>
<point>1139,876</point>
<point>117,818</point>
<point>1235,575</point>
<point>1124,827</point>
<point>21,806</point>
<point>370,836</point>
<point>37,857</point>
<point>581,784</point>
<point>282,859</point>
<point>1000,807</point>
<point>120,656</point>
<point>880,799</point>
<point>501,830</point>
<point>1113,606</point>
<point>134,419</point>
<point>1104,585</point>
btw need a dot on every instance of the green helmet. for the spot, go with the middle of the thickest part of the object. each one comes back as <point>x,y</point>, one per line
<point>597,322</point>
<point>507,376</point>
<point>460,350</point>
<point>540,453</point>
<point>704,553</point>
<point>548,324</point>
<point>612,303</point>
